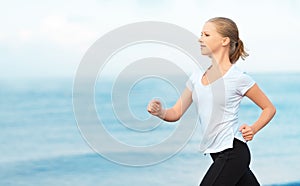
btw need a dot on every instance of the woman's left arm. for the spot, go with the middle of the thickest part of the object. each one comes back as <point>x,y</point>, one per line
<point>268,111</point>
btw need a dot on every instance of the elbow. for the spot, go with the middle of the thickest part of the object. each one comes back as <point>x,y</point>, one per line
<point>177,118</point>
<point>172,119</point>
<point>273,110</point>
<point>269,112</point>
<point>173,116</point>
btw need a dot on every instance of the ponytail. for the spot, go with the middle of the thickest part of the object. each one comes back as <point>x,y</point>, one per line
<point>238,51</point>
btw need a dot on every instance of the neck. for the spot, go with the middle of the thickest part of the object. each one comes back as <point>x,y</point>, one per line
<point>221,62</point>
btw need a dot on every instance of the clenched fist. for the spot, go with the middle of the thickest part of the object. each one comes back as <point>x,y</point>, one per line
<point>247,132</point>
<point>155,108</point>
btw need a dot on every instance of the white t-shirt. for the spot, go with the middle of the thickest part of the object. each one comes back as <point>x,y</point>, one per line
<point>218,106</point>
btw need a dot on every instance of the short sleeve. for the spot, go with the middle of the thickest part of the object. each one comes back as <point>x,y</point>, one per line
<point>244,84</point>
<point>190,82</point>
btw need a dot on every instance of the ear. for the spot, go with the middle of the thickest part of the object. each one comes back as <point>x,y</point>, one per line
<point>225,41</point>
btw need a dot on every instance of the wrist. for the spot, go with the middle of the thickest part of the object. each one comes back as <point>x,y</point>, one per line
<point>162,114</point>
<point>254,129</point>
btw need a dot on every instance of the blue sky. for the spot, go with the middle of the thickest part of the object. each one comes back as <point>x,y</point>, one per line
<point>49,38</point>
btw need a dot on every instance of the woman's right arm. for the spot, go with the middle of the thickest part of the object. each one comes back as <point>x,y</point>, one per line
<point>174,113</point>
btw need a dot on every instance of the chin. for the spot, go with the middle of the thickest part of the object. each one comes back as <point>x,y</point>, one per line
<point>204,53</point>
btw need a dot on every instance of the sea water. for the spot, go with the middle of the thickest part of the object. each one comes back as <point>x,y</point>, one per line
<point>41,144</point>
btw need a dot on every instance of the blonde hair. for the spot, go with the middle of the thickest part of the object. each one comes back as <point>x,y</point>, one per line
<point>227,28</point>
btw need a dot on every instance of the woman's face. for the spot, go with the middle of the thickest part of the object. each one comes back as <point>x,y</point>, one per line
<point>210,40</point>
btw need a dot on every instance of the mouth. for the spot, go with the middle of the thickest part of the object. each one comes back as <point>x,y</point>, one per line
<point>202,46</point>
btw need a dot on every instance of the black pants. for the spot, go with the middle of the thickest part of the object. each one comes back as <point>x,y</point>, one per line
<point>231,167</point>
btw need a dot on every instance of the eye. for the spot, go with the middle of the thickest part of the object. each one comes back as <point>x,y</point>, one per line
<point>205,34</point>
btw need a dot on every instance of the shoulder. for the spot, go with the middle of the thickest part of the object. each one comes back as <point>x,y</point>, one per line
<point>195,76</point>
<point>193,80</point>
<point>239,74</point>
<point>243,81</point>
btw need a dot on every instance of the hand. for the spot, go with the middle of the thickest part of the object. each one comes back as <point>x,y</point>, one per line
<point>247,132</point>
<point>155,108</point>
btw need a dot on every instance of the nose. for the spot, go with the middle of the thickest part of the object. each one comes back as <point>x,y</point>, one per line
<point>200,40</point>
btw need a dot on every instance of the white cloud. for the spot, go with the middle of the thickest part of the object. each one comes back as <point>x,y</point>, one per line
<point>60,30</point>
<point>25,35</point>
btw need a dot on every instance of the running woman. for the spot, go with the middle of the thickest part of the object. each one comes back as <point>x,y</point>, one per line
<point>224,138</point>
